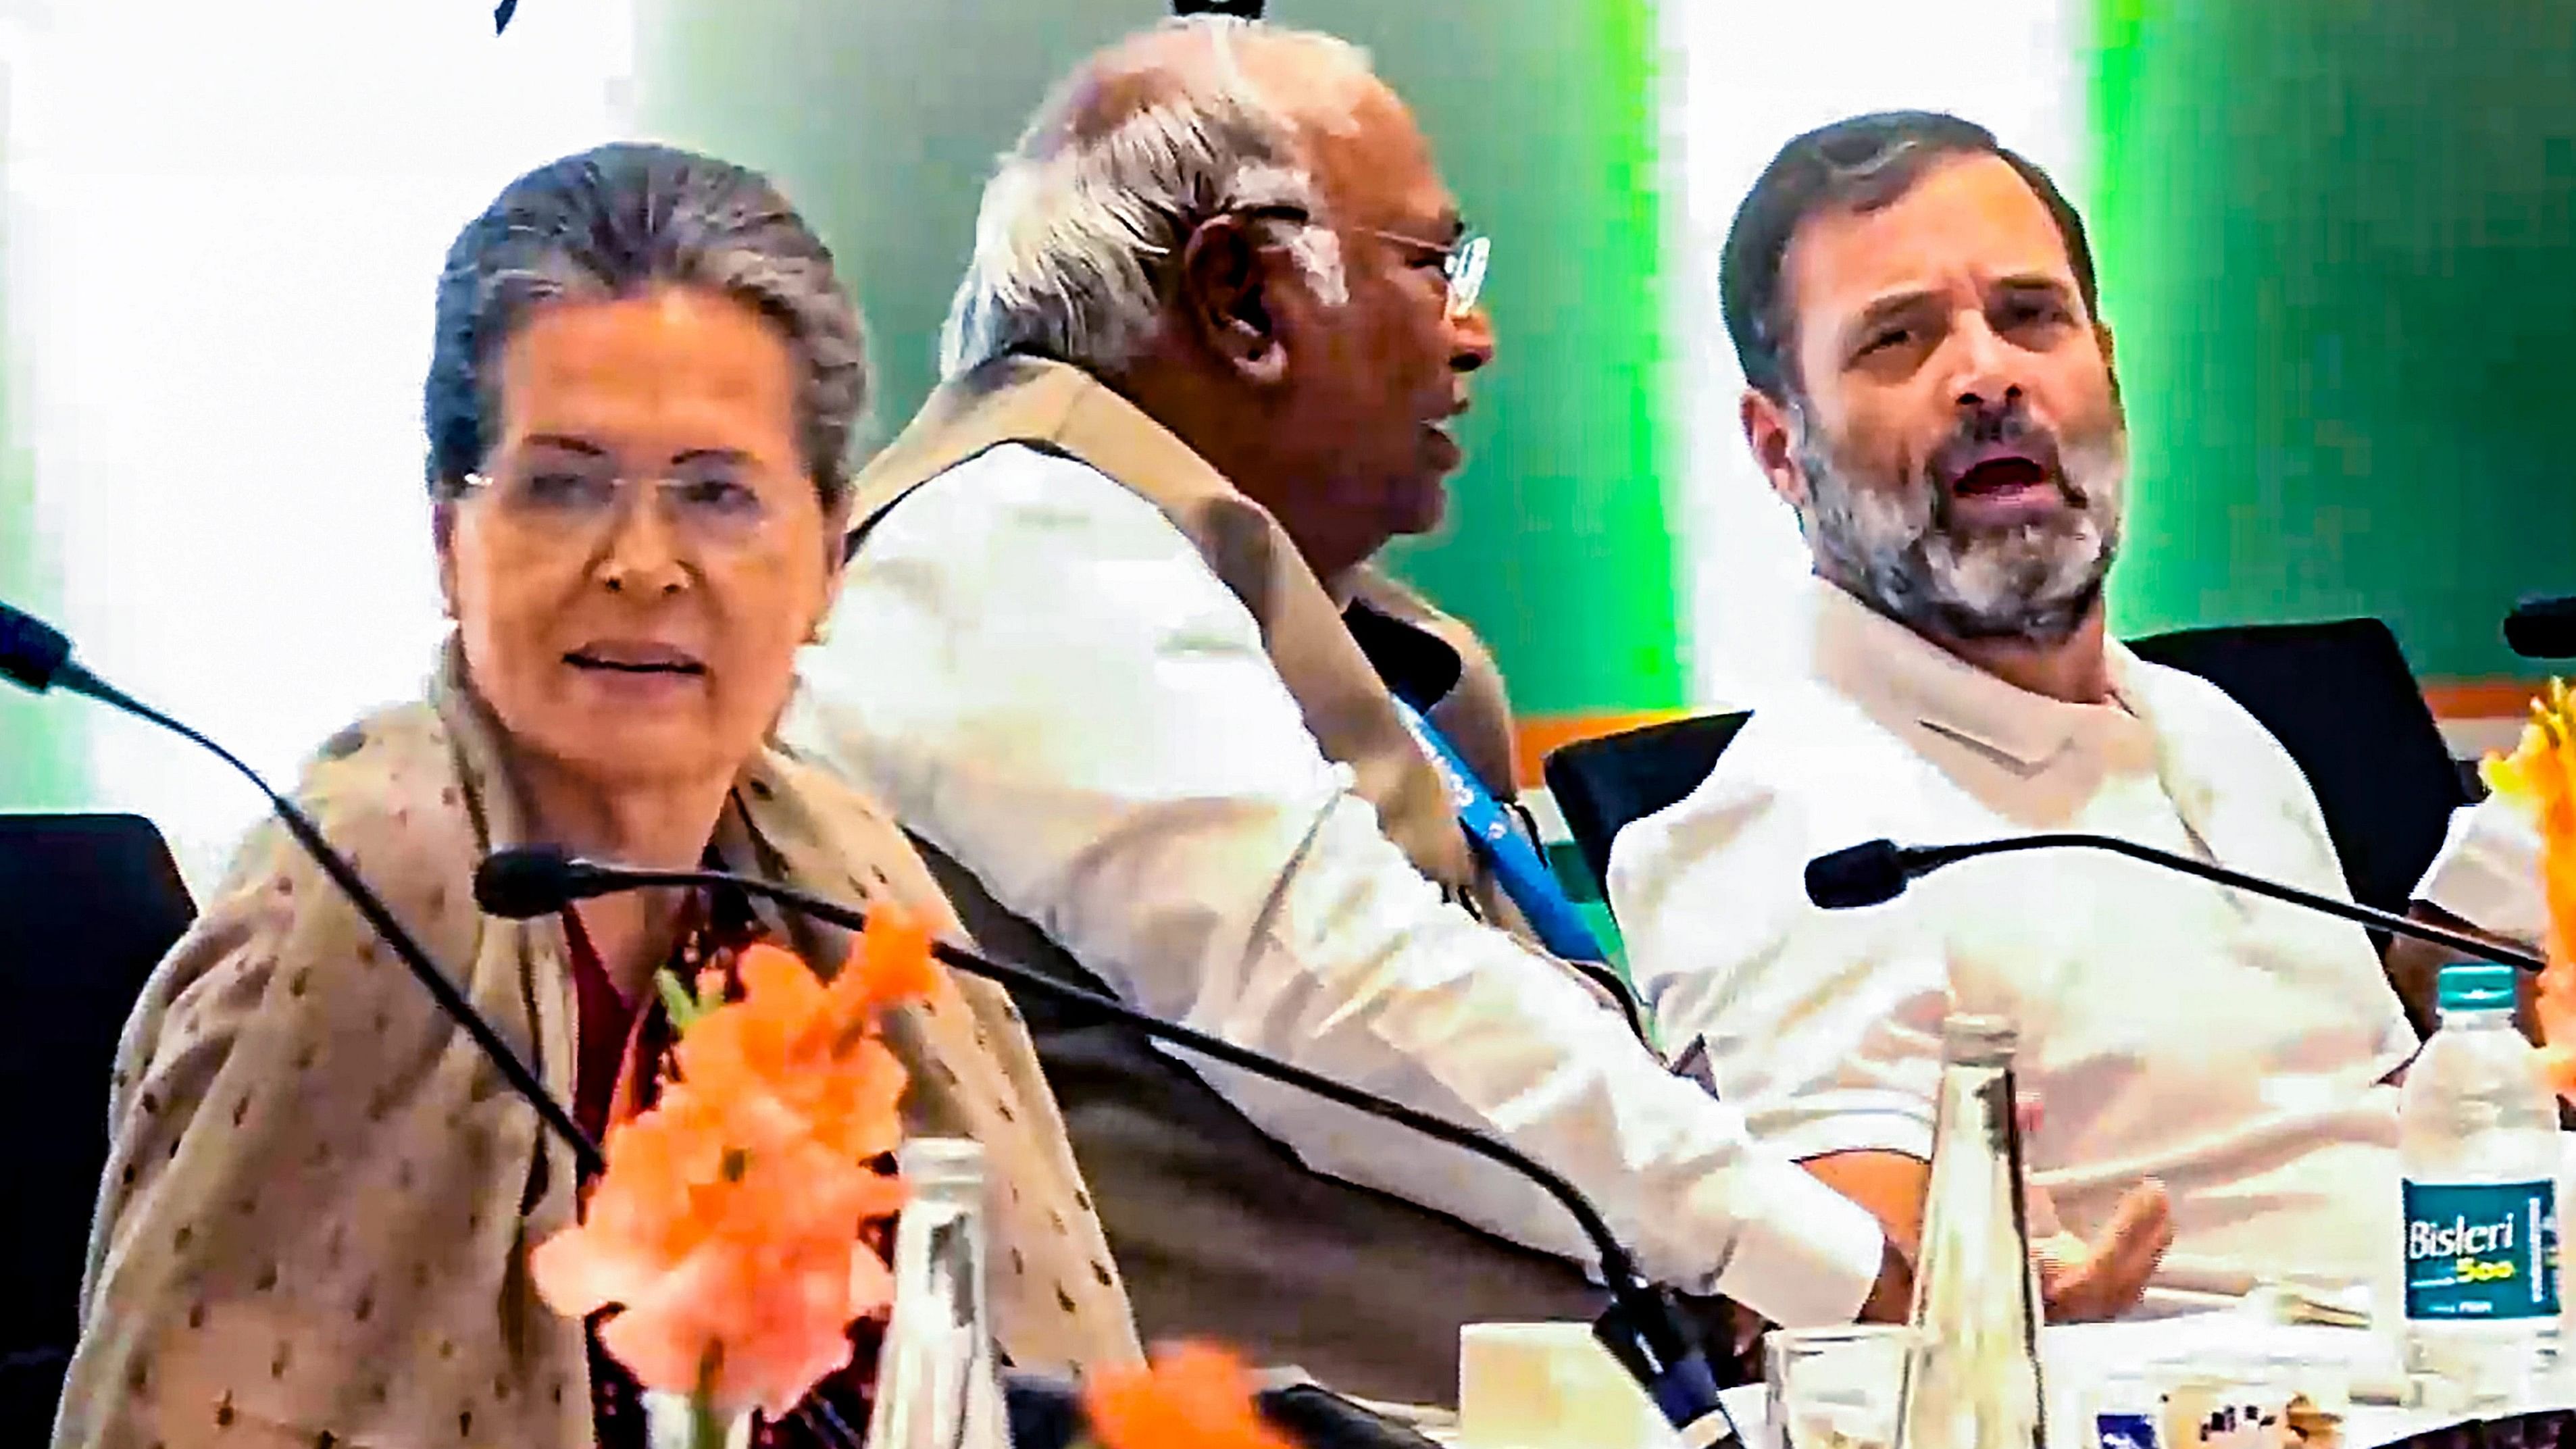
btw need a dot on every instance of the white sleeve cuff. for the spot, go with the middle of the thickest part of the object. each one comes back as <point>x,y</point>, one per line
<point>1804,1256</point>
<point>2488,873</point>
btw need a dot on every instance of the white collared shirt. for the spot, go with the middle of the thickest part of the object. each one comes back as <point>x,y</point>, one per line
<point>2230,1046</point>
<point>1038,672</point>
<point>2488,873</point>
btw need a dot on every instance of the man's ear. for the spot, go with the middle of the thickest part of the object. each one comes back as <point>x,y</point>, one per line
<point>1771,427</point>
<point>1225,299</point>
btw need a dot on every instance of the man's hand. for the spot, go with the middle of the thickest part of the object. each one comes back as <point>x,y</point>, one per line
<point>2085,1283</point>
<point>2082,1282</point>
<point>2078,1281</point>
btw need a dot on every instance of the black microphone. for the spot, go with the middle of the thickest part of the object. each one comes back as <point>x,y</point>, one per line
<point>1880,870</point>
<point>37,655</point>
<point>1642,1328</point>
<point>2542,628</point>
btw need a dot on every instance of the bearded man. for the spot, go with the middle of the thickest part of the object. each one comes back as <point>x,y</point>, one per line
<point>1931,388</point>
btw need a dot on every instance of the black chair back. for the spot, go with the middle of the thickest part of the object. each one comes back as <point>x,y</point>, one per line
<point>88,905</point>
<point>2340,698</point>
<point>1600,785</point>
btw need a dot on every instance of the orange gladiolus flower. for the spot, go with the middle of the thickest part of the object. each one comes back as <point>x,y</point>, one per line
<point>726,1228</point>
<point>2540,776</point>
<point>1196,1396</point>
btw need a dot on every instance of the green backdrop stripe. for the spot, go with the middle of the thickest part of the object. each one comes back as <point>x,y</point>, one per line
<point>1559,550</point>
<point>2339,253</point>
<point>1644,568</point>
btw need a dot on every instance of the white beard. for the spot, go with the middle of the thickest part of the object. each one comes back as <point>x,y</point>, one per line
<point>2035,581</point>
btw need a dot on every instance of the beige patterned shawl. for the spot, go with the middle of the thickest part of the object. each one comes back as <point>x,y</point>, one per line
<point>320,1199</point>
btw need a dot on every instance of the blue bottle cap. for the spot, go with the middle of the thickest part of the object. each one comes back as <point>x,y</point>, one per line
<point>2476,986</point>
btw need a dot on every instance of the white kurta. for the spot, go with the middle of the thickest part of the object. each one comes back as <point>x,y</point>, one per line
<point>2230,1046</point>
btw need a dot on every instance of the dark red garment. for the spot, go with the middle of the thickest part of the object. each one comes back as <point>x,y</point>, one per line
<point>607,1020</point>
<point>628,1043</point>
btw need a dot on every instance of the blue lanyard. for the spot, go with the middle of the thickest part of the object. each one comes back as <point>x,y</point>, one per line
<point>1517,865</point>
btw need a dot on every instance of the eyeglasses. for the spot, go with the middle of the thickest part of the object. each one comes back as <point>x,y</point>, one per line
<point>1461,261</point>
<point>707,504</point>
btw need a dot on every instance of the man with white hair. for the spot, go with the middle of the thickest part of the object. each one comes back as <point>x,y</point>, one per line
<point>1109,643</point>
<point>1931,388</point>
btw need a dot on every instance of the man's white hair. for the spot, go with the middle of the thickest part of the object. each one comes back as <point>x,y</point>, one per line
<point>1081,217</point>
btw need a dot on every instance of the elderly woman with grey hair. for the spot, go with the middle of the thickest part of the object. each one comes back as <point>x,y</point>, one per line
<point>316,1217</point>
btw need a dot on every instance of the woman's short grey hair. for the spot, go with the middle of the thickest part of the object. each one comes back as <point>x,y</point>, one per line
<point>622,220</point>
<point>1084,215</point>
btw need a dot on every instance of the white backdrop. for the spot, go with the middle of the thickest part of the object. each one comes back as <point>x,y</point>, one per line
<point>225,220</point>
<point>1741,79</point>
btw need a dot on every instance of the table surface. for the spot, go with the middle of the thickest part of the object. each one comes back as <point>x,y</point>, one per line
<point>2075,1355</point>
<point>2084,1353</point>
<point>2079,1354</point>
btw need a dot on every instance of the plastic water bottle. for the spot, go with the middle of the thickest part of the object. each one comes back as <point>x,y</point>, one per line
<point>2478,1160</point>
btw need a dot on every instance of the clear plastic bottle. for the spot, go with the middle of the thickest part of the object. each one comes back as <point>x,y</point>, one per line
<point>2478,1157</point>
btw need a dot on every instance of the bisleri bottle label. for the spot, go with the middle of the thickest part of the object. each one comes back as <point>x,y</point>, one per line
<point>2481,1251</point>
